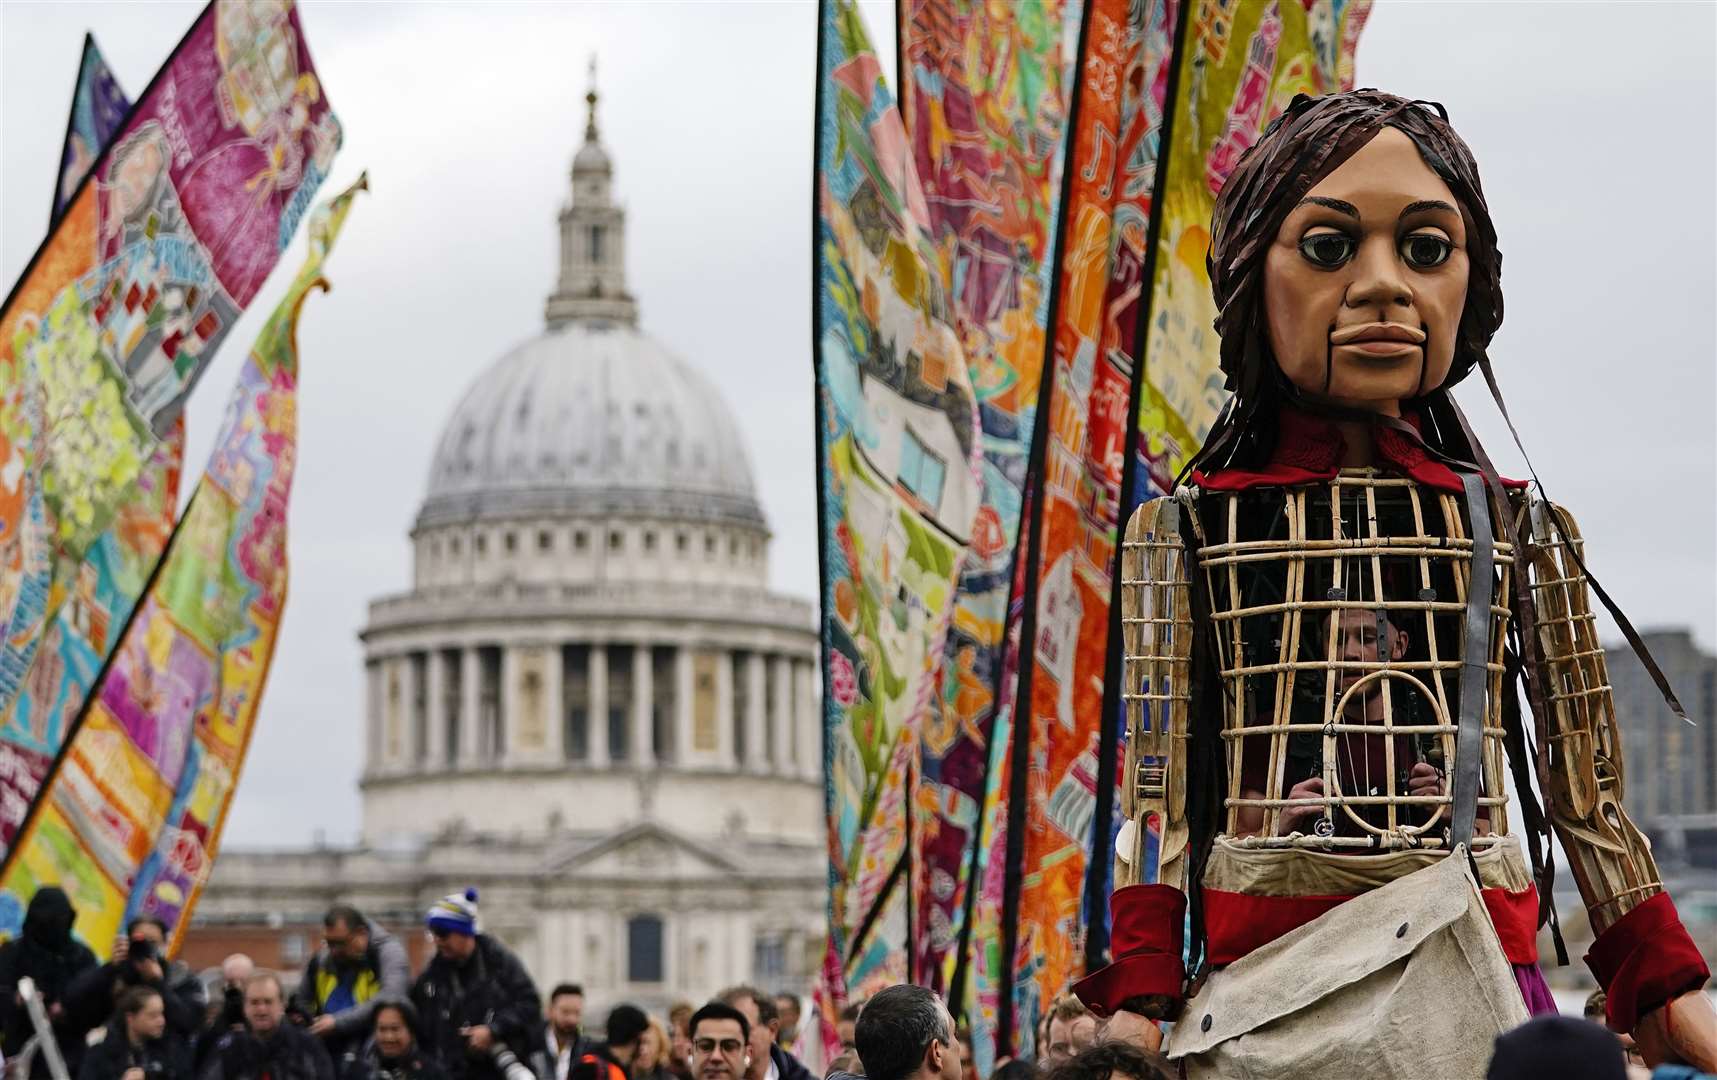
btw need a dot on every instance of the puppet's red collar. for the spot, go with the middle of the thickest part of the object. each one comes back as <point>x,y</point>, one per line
<point>1309,450</point>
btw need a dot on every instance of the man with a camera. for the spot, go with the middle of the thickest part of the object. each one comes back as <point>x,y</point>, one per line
<point>477,1005</point>
<point>139,959</point>
<point>268,1048</point>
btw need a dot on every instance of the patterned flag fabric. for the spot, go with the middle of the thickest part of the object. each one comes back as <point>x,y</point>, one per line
<point>157,253</point>
<point>99,108</point>
<point>131,821</point>
<point>1241,65</point>
<point>984,103</point>
<point>1067,578</point>
<point>1006,740</point>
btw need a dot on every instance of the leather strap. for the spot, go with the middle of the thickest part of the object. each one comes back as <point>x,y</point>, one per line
<point>1475,673</point>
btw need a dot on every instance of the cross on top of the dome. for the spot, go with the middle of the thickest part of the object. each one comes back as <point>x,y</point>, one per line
<point>590,100</point>
<point>592,284</point>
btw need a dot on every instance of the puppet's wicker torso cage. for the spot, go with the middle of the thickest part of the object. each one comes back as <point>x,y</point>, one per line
<point>1338,612</point>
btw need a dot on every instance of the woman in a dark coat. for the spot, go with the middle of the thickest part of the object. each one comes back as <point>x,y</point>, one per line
<point>138,1045</point>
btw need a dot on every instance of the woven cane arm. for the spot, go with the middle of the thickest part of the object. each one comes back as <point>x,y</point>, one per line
<point>1156,629</point>
<point>1611,860</point>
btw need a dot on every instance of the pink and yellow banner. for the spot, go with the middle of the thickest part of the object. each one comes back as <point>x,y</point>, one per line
<point>157,253</point>
<point>131,821</point>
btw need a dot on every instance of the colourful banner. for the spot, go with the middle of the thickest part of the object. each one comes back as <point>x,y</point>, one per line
<point>99,108</point>
<point>1241,65</point>
<point>101,340</point>
<point>131,821</point>
<point>1099,294</point>
<point>899,485</point>
<point>984,101</point>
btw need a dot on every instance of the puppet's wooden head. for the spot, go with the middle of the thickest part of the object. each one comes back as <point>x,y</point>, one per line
<point>1352,258</point>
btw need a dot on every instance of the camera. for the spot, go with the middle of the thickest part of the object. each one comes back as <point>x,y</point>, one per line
<point>509,1063</point>
<point>141,949</point>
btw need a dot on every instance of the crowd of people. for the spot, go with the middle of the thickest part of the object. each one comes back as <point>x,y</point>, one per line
<point>474,1013</point>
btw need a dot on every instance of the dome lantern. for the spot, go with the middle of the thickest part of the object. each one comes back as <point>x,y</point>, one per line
<point>592,282</point>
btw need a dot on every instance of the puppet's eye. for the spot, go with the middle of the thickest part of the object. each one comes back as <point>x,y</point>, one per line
<point>1327,250</point>
<point>1425,251</point>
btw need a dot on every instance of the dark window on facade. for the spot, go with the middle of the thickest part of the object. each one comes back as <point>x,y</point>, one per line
<point>482,544</point>
<point>545,541</point>
<point>512,542</point>
<point>741,703</point>
<point>491,737</point>
<point>664,700</point>
<point>681,542</point>
<point>769,959</point>
<point>709,545</point>
<point>596,238</point>
<point>575,692</point>
<point>452,699</point>
<point>616,540</point>
<point>419,706</point>
<point>580,540</point>
<point>620,660</point>
<point>644,949</point>
<point>650,540</point>
<point>453,545</point>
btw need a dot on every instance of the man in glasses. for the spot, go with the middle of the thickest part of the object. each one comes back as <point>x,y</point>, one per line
<point>769,1061</point>
<point>359,963</point>
<point>720,1043</point>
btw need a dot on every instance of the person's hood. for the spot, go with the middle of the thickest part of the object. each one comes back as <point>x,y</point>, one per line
<point>49,918</point>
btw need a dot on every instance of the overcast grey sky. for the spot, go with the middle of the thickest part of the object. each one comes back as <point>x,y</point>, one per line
<point>1593,125</point>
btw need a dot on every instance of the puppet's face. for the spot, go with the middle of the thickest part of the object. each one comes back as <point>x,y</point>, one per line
<point>1364,285</point>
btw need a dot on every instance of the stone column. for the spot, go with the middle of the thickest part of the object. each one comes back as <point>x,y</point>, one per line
<point>684,752</point>
<point>372,717</point>
<point>781,718</point>
<point>554,705</point>
<point>756,733</point>
<point>435,754</point>
<point>598,732</point>
<point>808,720</point>
<point>643,694</point>
<point>724,749</point>
<point>470,688</point>
<point>507,703</point>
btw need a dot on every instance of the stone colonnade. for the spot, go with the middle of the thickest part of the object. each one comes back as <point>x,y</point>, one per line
<point>595,704</point>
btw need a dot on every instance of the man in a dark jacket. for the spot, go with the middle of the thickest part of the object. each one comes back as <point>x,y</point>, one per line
<point>359,964</point>
<point>768,1060</point>
<point>47,954</point>
<point>476,1003</point>
<point>611,1059</point>
<point>270,1048</point>
<point>140,959</point>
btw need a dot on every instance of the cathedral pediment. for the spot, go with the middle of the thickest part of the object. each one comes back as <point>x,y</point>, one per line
<point>648,850</point>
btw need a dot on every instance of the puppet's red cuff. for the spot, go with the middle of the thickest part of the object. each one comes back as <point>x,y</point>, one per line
<point>1147,928</point>
<point>1643,961</point>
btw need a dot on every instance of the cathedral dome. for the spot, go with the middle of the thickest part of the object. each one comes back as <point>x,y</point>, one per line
<point>591,417</point>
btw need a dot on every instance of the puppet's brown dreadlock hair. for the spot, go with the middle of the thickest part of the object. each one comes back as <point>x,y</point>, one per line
<point>1299,148</point>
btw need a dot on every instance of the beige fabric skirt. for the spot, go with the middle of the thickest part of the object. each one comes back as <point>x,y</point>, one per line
<point>1405,981</point>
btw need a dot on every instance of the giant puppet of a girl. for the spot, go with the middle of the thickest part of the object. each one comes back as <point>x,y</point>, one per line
<point>1323,713</point>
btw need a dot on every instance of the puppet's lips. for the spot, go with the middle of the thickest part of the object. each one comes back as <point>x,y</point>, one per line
<point>1380,334</point>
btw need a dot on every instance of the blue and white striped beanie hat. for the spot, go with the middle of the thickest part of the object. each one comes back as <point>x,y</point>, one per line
<point>455,913</point>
